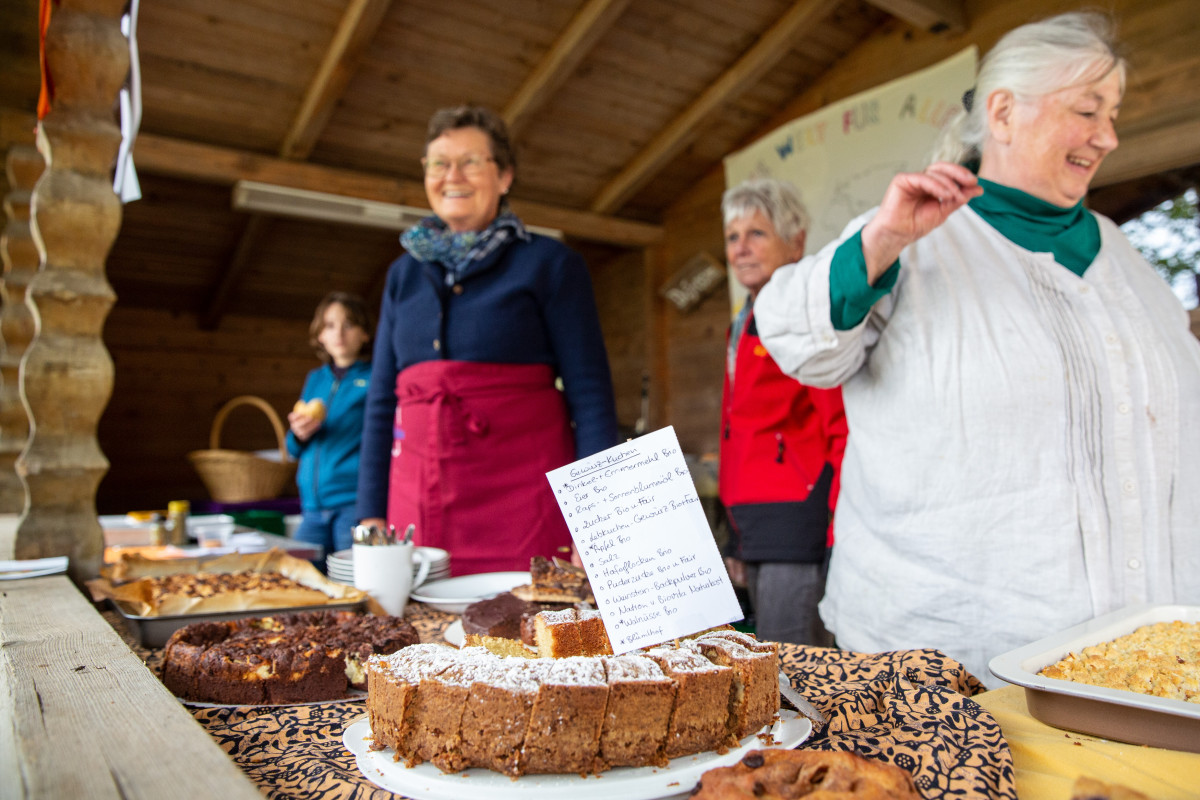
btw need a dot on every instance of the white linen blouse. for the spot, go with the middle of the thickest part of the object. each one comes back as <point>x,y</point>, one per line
<point>1024,449</point>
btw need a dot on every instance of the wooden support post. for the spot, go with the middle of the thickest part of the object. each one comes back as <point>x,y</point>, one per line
<point>66,373</point>
<point>23,166</point>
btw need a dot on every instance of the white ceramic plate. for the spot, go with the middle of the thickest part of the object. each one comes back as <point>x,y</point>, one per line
<point>454,633</point>
<point>1110,713</point>
<point>427,782</point>
<point>34,568</point>
<point>455,594</point>
<point>354,695</point>
<point>436,556</point>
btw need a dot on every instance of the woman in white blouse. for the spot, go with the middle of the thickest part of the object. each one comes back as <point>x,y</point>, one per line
<point>1022,387</point>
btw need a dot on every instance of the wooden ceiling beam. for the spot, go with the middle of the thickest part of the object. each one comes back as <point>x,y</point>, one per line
<point>354,33</point>
<point>754,63</point>
<point>210,318</point>
<point>935,16</point>
<point>355,29</point>
<point>177,158</point>
<point>573,44</point>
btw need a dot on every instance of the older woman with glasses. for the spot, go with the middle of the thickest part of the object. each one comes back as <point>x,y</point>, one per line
<point>1022,386</point>
<point>480,318</point>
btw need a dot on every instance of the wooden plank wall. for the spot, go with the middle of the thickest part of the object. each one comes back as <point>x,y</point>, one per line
<point>694,358</point>
<point>621,300</point>
<point>171,378</point>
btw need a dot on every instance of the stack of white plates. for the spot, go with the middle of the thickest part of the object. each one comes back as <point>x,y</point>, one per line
<point>340,565</point>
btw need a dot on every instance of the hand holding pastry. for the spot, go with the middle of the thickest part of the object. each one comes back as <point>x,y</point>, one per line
<point>306,418</point>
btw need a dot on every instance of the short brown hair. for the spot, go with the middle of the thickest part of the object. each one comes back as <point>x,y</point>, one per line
<point>486,120</point>
<point>356,312</point>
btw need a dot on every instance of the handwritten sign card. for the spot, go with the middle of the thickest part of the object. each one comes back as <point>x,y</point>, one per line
<point>645,542</point>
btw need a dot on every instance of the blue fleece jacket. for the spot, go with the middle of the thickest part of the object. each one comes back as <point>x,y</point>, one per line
<point>530,302</point>
<point>328,470</point>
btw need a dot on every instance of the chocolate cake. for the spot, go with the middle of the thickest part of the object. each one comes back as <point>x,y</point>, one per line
<point>472,708</point>
<point>496,616</point>
<point>289,658</point>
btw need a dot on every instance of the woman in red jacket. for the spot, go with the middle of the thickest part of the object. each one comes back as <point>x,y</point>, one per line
<point>781,441</point>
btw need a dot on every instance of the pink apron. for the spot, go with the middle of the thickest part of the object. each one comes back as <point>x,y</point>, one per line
<point>473,443</point>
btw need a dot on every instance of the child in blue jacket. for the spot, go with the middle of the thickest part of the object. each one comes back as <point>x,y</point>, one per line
<point>327,422</point>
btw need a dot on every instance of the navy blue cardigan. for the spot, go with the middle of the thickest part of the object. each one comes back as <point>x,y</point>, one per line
<point>531,302</point>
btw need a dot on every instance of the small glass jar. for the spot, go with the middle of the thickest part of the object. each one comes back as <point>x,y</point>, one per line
<point>158,531</point>
<point>177,514</point>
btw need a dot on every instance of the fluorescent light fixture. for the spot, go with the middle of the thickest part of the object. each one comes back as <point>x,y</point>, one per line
<point>286,201</point>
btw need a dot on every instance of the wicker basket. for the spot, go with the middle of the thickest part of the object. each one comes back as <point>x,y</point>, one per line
<point>233,476</point>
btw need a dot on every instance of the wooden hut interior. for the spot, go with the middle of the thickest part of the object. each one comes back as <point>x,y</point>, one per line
<point>622,113</point>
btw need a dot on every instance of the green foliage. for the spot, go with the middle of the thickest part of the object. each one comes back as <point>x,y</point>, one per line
<point>1168,235</point>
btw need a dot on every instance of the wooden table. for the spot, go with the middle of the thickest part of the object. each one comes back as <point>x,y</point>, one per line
<point>82,717</point>
<point>86,717</point>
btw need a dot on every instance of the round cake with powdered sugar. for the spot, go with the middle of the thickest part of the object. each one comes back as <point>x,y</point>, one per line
<point>579,714</point>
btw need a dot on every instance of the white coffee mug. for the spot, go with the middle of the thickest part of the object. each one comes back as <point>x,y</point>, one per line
<point>385,572</point>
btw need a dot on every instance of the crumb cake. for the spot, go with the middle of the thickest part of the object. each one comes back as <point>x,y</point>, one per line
<point>787,774</point>
<point>288,658</point>
<point>1162,660</point>
<point>469,707</point>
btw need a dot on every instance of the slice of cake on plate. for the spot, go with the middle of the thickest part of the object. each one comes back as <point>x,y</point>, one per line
<point>566,719</point>
<point>496,716</point>
<point>698,721</point>
<point>640,699</point>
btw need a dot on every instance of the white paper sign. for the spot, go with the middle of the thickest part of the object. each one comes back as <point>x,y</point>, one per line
<point>646,545</point>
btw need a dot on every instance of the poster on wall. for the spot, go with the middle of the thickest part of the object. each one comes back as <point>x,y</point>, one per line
<point>842,157</point>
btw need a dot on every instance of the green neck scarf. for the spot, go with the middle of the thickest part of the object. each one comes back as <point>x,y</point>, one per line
<point>1071,235</point>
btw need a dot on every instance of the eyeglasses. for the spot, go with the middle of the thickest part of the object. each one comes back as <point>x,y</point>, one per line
<point>470,166</point>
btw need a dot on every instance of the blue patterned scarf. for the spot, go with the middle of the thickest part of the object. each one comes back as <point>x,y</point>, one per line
<point>432,241</point>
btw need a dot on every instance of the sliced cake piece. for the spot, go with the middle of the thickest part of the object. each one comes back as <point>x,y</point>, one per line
<point>699,718</point>
<point>435,715</point>
<point>556,634</point>
<point>566,719</point>
<point>640,699</point>
<point>496,715</point>
<point>393,682</point>
<point>592,633</point>
<point>754,691</point>
<point>570,632</point>
<point>555,581</point>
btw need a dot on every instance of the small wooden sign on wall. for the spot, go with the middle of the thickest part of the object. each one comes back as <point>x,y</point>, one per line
<point>695,280</point>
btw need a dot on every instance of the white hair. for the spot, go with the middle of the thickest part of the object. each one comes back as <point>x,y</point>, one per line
<point>779,201</point>
<point>1032,61</point>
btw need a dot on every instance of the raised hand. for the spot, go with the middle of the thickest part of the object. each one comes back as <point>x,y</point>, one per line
<point>914,204</point>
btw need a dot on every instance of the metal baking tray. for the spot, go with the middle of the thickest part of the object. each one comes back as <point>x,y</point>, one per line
<point>1108,713</point>
<point>155,631</point>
